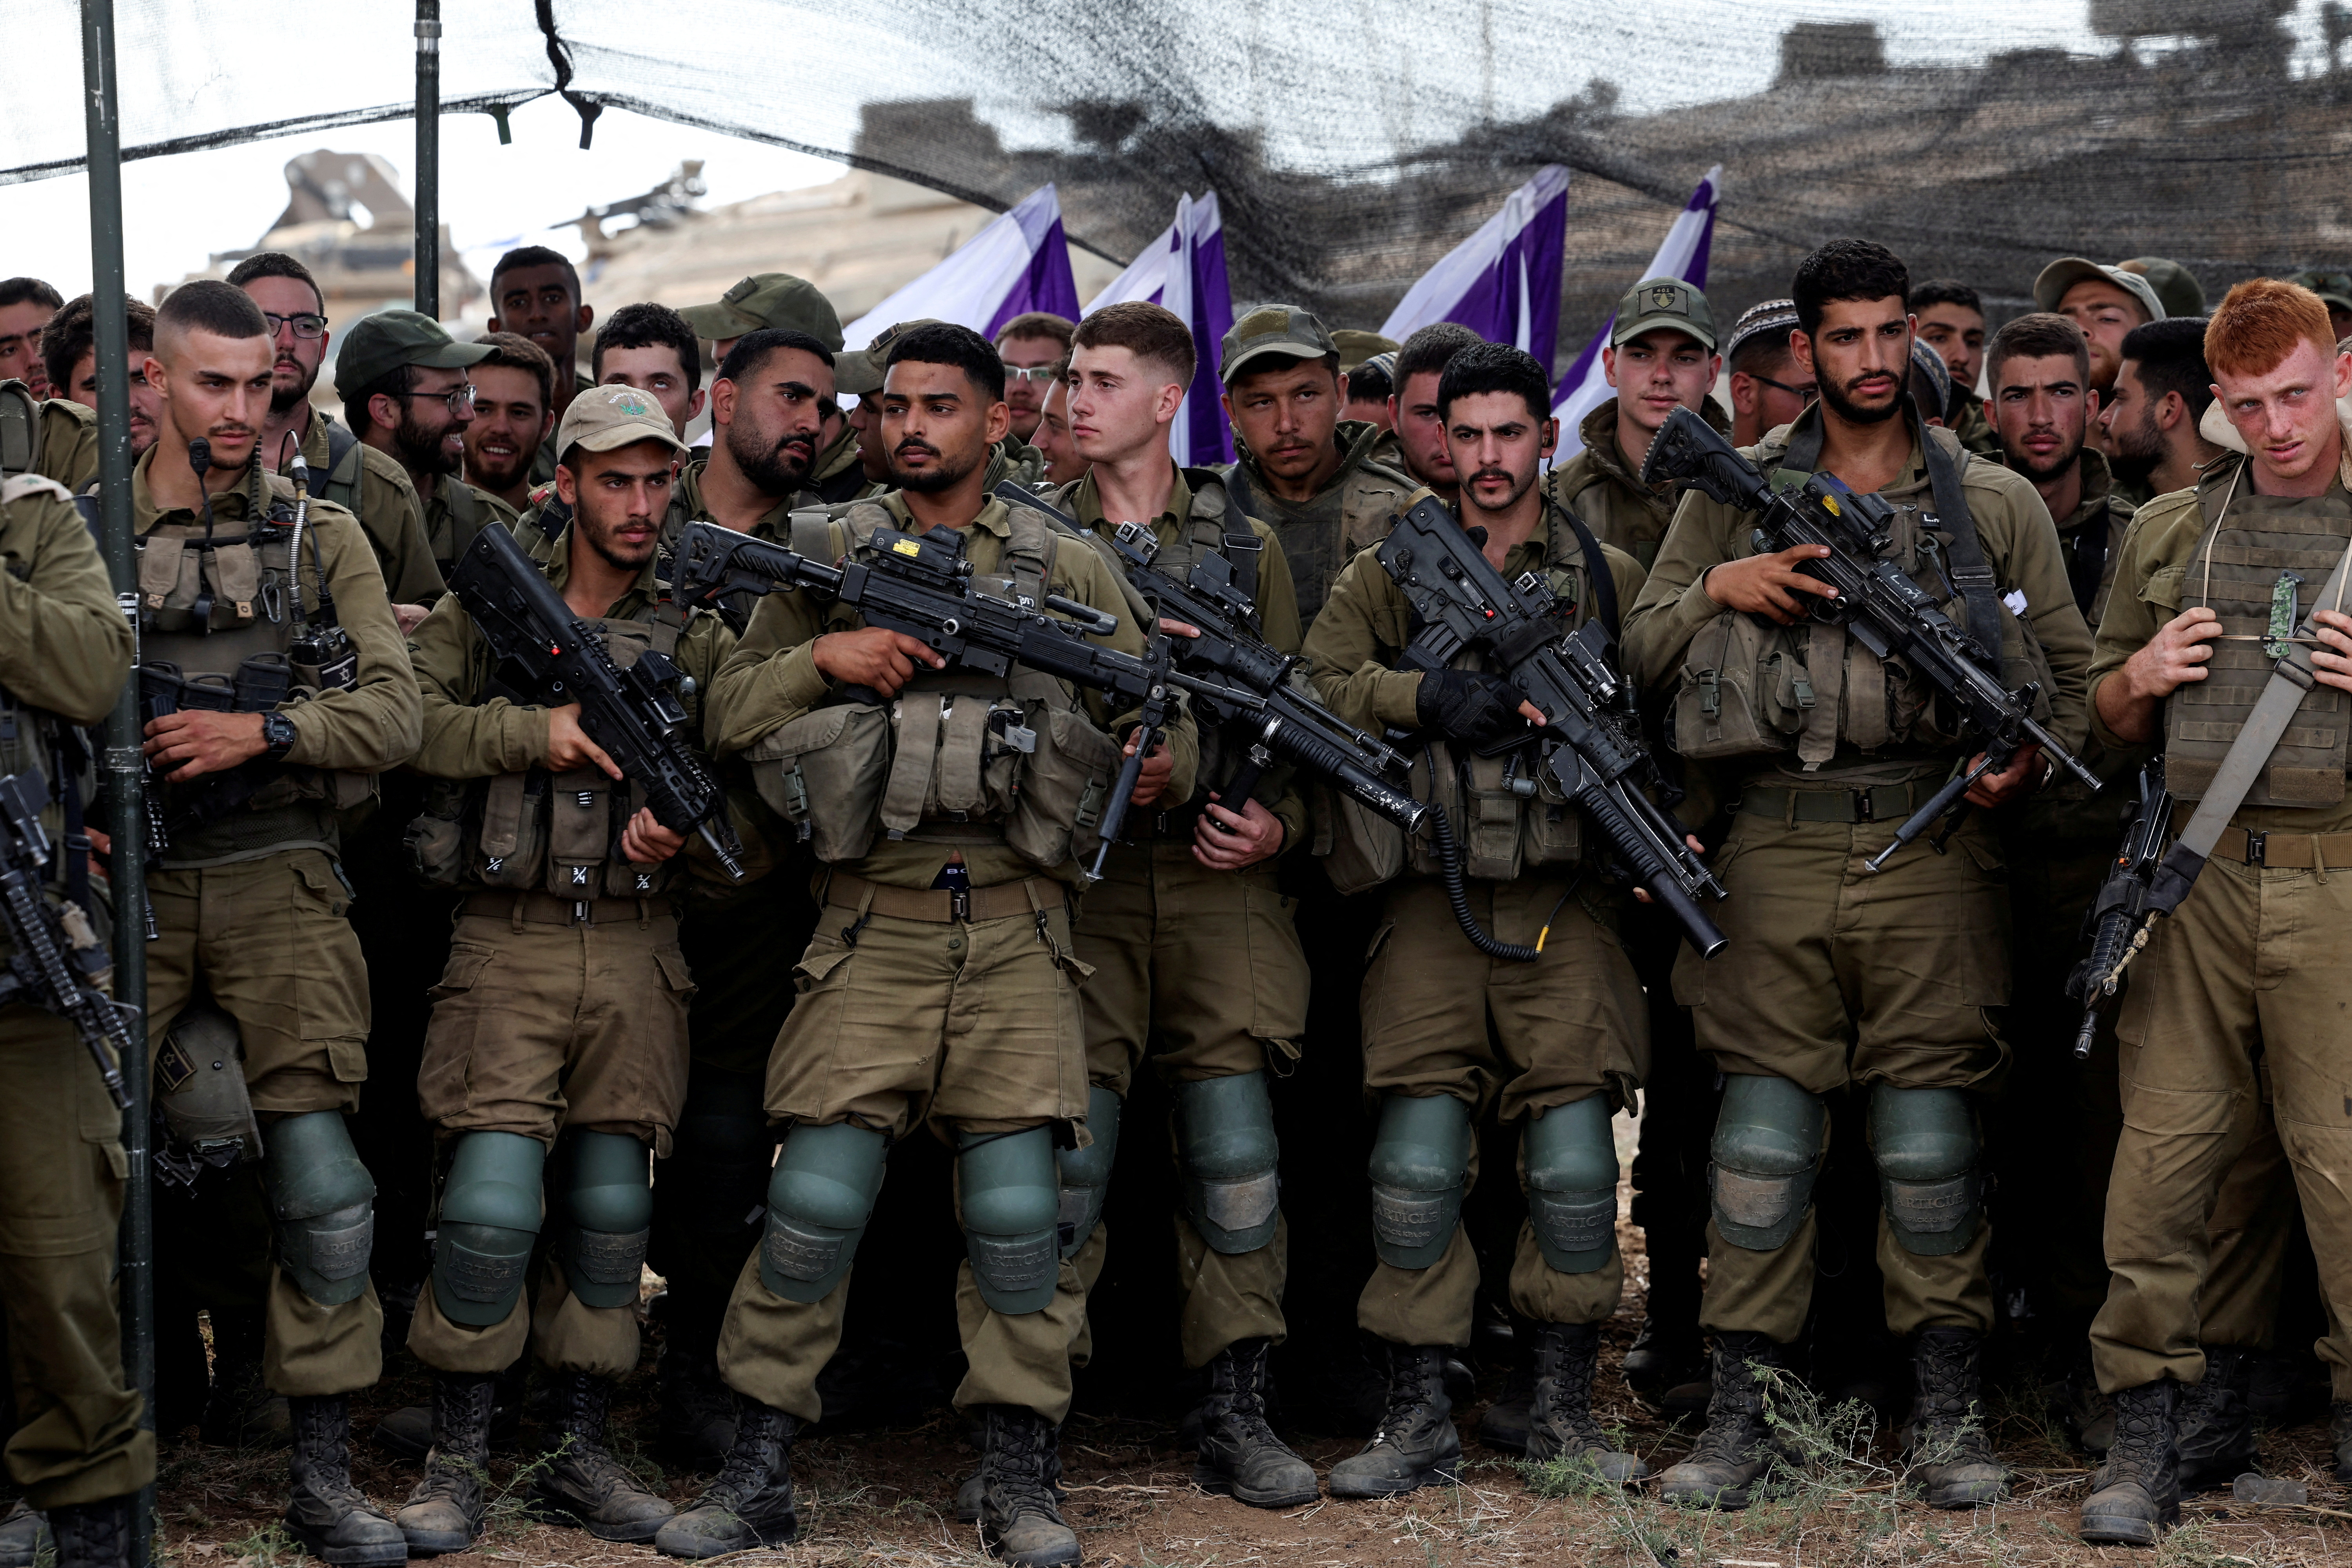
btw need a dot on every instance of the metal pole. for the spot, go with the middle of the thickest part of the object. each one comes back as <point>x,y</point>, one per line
<point>124,767</point>
<point>428,158</point>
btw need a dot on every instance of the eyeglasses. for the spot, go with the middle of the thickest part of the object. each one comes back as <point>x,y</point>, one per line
<point>460,400</point>
<point>306,323</point>
<point>1026,373</point>
<point>1784,386</point>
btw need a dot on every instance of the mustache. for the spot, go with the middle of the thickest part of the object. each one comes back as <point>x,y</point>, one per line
<point>1504,475</point>
<point>912,445</point>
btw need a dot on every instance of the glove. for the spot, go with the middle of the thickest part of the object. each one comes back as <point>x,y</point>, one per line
<point>1469,705</point>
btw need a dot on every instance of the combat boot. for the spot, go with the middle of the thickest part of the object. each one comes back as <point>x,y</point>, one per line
<point>2213,1421</point>
<point>330,1517</point>
<point>1240,1456</point>
<point>239,1411</point>
<point>2135,1494</point>
<point>23,1535</point>
<point>2339,1433</point>
<point>1505,1424</point>
<point>94,1534</point>
<point>1738,1450</point>
<point>751,1503</point>
<point>582,1480</point>
<point>445,1512</point>
<point>1019,1518</point>
<point>1560,1423</point>
<point>1415,1443</point>
<point>1944,1438</point>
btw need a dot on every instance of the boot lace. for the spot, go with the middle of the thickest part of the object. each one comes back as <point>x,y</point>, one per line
<point>1016,1467</point>
<point>750,1466</point>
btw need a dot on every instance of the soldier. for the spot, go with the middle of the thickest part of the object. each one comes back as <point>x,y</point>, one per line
<point>77,1450</point>
<point>2105,302</point>
<point>1302,467</point>
<point>560,1026</point>
<point>1372,385</point>
<point>514,384</point>
<point>651,348</point>
<point>1031,344</point>
<point>1835,976</point>
<point>2154,414</point>
<point>790,304</point>
<point>1416,430</point>
<point>1063,464</point>
<point>250,905</point>
<point>1767,389</point>
<point>25,306</point>
<point>1952,323</point>
<point>1447,1030</point>
<point>68,350</point>
<point>890,1034</point>
<point>535,293</point>
<point>2230,1004</point>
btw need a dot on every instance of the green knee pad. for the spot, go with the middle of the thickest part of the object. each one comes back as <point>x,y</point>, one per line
<point>1766,1152</point>
<point>607,1216</point>
<point>1224,1132</point>
<point>1008,1201</point>
<point>1085,1172</point>
<point>819,1197</point>
<point>1572,1184</point>
<point>1419,1158</point>
<point>322,1203</point>
<point>490,1212</point>
<point>1925,1141</point>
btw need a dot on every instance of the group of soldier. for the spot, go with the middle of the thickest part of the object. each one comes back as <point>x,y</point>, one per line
<point>442,878</point>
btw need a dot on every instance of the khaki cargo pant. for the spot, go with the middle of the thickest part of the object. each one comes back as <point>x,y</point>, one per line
<point>1836,975</point>
<point>270,942</point>
<point>1440,1017</point>
<point>62,1175</point>
<point>949,1024</point>
<point>2244,982</point>
<point>542,1023</point>
<point>1201,970</point>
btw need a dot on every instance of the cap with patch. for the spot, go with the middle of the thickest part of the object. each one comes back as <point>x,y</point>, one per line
<point>1273,330</point>
<point>602,418</point>
<point>1355,346</point>
<point>2174,285</point>
<point>376,345</point>
<point>859,371</point>
<point>769,300</point>
<point>1656,302</point>
<point>2334,288</point>
<point>2063,274</point>
<point>1766,318</point>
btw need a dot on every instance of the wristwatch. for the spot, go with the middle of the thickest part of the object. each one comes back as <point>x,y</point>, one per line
<point>277,735</point>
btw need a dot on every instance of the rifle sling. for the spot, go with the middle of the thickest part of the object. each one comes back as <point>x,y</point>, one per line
<point>1604,581</point>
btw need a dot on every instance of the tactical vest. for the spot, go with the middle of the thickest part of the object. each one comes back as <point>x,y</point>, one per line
<point>344,470</point>
<point>958,757</point>
<point>2257,564</point>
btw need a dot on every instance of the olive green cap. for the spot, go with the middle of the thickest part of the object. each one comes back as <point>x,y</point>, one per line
<point>769,300</point>
<point>376,345</point>
<point>2333,288</point>
<point>2177,287</point>
<point>2050,287</point>
<point>1273,330</point>
<point>859,371</point>
<point>602,418</point>
<point>1656,302</point>
<point>1355,346</point>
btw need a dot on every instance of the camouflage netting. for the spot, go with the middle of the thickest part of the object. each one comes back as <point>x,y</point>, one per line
<point>1353,146</point>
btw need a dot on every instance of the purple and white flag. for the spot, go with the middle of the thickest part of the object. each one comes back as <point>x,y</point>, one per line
<point>1185,269</point>
<point>1503,283</point>
<point>1018,262</point>
<point>1681,255</point>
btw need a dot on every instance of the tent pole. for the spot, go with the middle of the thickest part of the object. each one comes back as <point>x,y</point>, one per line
<point>428,158</point>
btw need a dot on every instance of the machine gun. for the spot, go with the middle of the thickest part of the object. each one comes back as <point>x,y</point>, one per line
<point>1878,605</point>
<point>546,652</point>
<point>60,964</point>
<point>1589,746</point>
<point>2125,912</point>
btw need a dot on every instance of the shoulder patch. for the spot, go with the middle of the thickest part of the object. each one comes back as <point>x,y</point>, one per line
<point>23,485</point>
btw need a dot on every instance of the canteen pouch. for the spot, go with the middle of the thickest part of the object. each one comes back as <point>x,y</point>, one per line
<point>1744,690</point>
<point>824,772</point>
<point>1064,789</point>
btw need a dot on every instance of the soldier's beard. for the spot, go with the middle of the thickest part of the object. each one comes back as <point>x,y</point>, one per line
<point>2139,449</point>
<point>777,468</point>
<point>945,474</point>
<point>2040,472</point>
<point>422,450</point>
<point>282,398</point>
<point>1854,413</point>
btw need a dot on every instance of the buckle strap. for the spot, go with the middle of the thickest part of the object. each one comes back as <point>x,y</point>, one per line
<point>942,906</point>
<point>2277,849</point>
<point>1881,803</point>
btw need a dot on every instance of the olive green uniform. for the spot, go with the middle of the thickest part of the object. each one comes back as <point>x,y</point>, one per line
<point>1600,485</point>
<point>2240,989</point>
<point>542,465</point>
<point>1835,975</point>
<point>1976,432</point>
<point>1441,1018</point>
<point>64,441</point>
<point>1351,512</point>
<point>388,511</point>
<point>455,513</point>
<point>64,648</point>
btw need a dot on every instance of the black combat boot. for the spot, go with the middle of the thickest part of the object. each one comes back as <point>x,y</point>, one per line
<point>2213,1421</point>
<point>23,1535</point>
<point>445,1512</point>
<point>240,1412</point>
<point>2136,1495</point>
<point>1020,1519</point>
<point>1415,1443</point>
<point>1737,1450</point>
<point>330,1517</point>
<point>1505,1424</point>
<point>1239,1454</point>
<point>2339,1433</point>
<point>751,1503</point>
<point>1945,1437</point>
<point>95,1534</point>
<point>582,1480</point>
<point>1560,1423</point>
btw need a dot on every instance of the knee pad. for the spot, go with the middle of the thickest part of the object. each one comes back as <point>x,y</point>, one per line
<point>713,1185</point>
<point>1419,1158</point>
<point>1224,1131</point>
<point>1925,1141</point>
<point>607,1217</point>
<point>1571,1161</point>
<point>490,1212</point>
<point>321,1205</point>
<point>819,1197</point>
<point>1008,1201</point>
<point>1085,1172</point>
<point>1762,1165</point>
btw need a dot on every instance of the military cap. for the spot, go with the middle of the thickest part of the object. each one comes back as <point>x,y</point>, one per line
<point>769,300</point>
<point>1663,302</point>
<point>1766,319</point>
<point>2063,274</point>
<point>376,345</point>
<point>1273,330</point>
<point>2333,288</point>
<point>602,418</point>
<point>2174,285</point>
<point>1355,346</point>
<point>859,371</point>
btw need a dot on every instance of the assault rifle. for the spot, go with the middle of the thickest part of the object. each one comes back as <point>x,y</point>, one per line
<point>2126,912</point>
<point>60,964</point>
<point>553,656</point>
<point>1878,605</point>
<point>1589,746</point>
